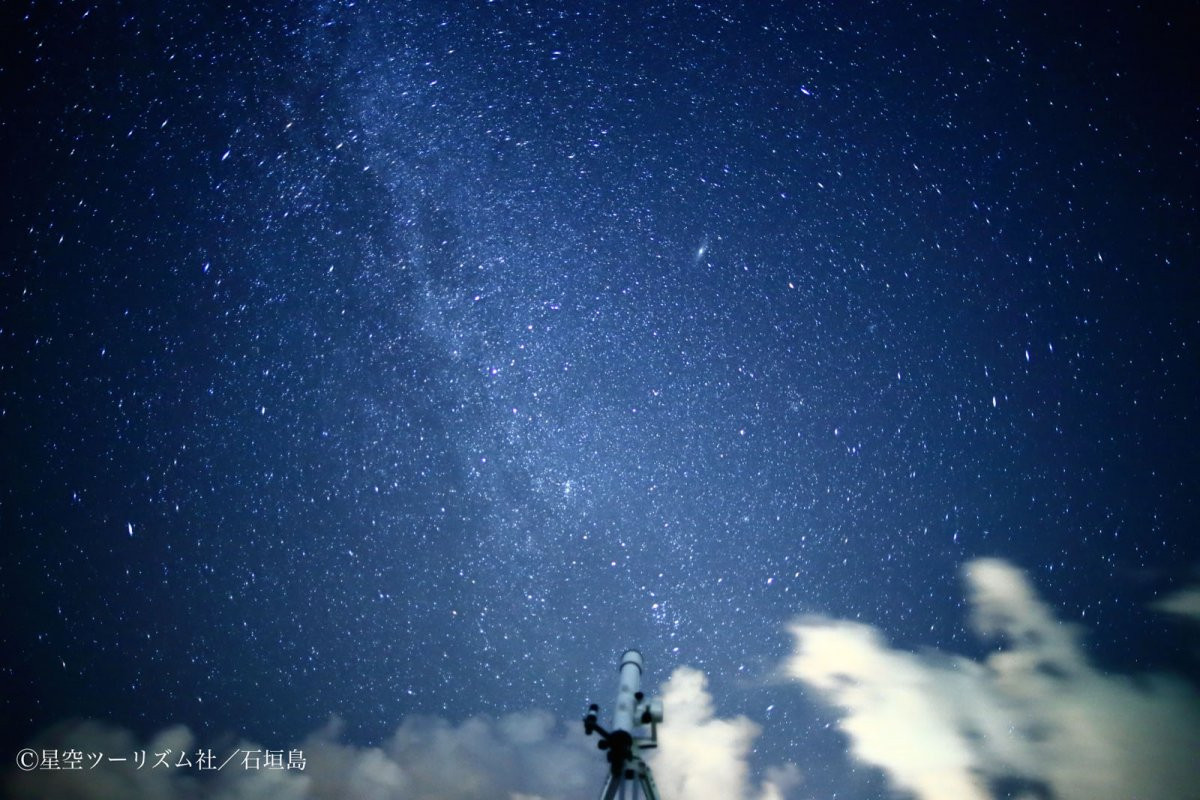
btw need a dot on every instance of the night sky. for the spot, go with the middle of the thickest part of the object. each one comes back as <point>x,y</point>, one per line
<point>392,361</point>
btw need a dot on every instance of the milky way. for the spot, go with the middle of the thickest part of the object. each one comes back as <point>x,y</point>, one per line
<point>376,361</point>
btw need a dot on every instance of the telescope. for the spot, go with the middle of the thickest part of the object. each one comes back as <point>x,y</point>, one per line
<point>629,776</point>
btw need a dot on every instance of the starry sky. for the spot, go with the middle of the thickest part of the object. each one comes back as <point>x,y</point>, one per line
<point>379,360</point>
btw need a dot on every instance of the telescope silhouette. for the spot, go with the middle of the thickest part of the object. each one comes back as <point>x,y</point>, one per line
<point>629,776</point>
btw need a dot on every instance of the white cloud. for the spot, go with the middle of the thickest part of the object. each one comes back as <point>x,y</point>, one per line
<point>942,726</point>
<point>1185,602</point>
<point>895,716</point>
<point>705,757</point>
<point>1035,713</point>
<point>701,756</point>
<point>526,756</point>
<point>780,781</point>
<point>521,755</point>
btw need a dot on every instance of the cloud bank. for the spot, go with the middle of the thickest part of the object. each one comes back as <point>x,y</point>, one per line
<point>1036,717</point>
<point>527,756</point>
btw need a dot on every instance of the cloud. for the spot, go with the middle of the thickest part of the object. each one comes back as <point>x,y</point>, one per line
<point>706,757</point>
<point>780,781</point>
<point>1185,602</point>
<point>1034,719</point>
<point>702,756</point>
<point>1036,714</point>
<point>519,756</point>
<point>527,756</point>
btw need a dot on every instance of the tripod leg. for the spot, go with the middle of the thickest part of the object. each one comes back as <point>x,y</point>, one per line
<point>649,790</point>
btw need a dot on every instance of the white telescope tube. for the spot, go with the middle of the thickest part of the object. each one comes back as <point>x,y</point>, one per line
<point>631,685</point>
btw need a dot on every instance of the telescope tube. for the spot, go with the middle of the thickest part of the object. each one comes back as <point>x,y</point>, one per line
<point>627,691</point>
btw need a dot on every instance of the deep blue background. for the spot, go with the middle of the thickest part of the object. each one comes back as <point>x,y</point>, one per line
<point>435,356</point>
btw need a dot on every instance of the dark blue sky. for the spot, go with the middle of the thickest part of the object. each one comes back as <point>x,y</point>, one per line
<point>375,361</point>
